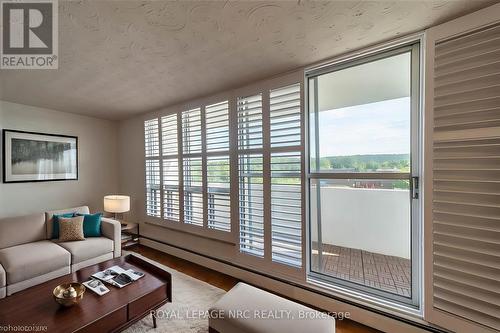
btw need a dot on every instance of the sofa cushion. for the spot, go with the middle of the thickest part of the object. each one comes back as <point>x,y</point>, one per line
<point>26,261</point>
<point>49,216</point>
<point>21,229</point>
<point>3,278</point>
<point>89,248</point>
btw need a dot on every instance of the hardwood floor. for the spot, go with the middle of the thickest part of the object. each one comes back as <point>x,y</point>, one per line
<point>215,278</point>
<point>226,282</point>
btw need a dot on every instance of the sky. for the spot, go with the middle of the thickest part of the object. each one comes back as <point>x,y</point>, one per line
<point>374,128</point>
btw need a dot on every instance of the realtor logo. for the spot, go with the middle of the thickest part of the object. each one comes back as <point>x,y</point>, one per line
<point>29,34</point>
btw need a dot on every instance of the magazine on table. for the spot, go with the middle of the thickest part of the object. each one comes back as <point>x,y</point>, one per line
<point>118,276</point>
<point>96,286</point>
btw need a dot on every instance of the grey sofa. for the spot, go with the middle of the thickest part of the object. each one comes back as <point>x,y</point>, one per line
<point>28,255</point>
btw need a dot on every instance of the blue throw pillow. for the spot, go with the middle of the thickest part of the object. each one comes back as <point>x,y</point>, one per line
<point>55,223</point>
<point>91,225</point>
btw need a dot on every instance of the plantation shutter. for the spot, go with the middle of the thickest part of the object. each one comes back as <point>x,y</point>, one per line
<point>152,154</point>
<point>191,131</point>
<point>217,127</point>
<point>219,198</point>
<point>462,218</point>
<point>250,175</point>
<point>218,166</point>
<point>270,161</point>
<point>285,114</point>
<point>170,167</point>
<point>250,122</point>
<point>193,193</point>
<point>192,167</point>
<point>286,175</point>
<point>251,196</point>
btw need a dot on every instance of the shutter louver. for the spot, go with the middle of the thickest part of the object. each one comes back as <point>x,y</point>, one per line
<point>151,138</point>
<point>250,122</point>
<point>153,195</point>
<point>286,175</point>
<point>466,177</point>
<point>191,131</point>
<point>170,166</point>
<point>250,173</point>
<point>286,208</point>
<point>192,167</point>
<point>193,191</point>
<point>217,127</point>
<point>218,166</point>
<point>169,135</point>
<point>171,189</point>
<point>152,153</point>
<point>285,116</point>
<point>219,197</point>
<point>251,204</point>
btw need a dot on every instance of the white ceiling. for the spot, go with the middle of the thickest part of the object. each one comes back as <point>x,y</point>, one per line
<point>120,58</point>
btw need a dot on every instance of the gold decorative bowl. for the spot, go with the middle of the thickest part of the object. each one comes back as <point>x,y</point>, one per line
<point>69,294</point>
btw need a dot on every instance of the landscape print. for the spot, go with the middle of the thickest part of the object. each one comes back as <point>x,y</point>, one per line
<point>37,157</point>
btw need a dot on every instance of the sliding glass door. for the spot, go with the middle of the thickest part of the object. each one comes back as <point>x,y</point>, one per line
<point>363,174</point>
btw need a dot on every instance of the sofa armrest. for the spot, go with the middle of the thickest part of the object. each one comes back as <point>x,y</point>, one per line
<point>112,229</point>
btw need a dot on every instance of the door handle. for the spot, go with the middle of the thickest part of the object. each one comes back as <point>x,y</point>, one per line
<point>414,187</point>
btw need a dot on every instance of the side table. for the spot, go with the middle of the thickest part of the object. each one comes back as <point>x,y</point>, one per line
<point>130,234</point>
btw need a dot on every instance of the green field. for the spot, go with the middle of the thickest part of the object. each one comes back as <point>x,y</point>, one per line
<point>366,163</point>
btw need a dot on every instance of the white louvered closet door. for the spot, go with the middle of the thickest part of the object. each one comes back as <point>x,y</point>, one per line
<point>462,186</point>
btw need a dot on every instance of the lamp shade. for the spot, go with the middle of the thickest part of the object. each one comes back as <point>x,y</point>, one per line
<point>116,203</point>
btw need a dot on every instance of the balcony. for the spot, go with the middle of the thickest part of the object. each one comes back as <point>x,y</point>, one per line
<point>387,273</point>
<point>364,235</point>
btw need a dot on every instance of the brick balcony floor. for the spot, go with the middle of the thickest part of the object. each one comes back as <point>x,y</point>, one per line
<point>387,273</point>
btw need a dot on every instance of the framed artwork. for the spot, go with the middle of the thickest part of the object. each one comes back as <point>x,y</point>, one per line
<point>38,157</point>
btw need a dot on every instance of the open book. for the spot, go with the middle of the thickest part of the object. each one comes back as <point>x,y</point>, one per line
<point>118,276</point>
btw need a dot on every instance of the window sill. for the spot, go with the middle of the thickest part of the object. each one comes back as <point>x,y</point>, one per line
<point>221,236</point>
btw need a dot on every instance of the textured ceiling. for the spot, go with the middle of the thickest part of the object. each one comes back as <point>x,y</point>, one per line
<point>120,58</point>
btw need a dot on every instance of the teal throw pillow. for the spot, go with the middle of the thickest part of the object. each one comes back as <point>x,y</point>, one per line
<point>91,225</point>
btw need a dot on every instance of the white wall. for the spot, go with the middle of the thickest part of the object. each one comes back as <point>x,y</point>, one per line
<point>375,220</point>
<point>132,167</point>
<point>98,161</point>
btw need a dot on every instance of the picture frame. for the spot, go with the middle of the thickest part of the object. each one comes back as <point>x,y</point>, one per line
<point>38,157</point>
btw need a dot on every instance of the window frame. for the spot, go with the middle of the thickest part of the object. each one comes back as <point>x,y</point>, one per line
<point>415,46</point>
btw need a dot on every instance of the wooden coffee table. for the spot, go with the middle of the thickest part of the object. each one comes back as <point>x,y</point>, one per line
<point>111,312</point>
